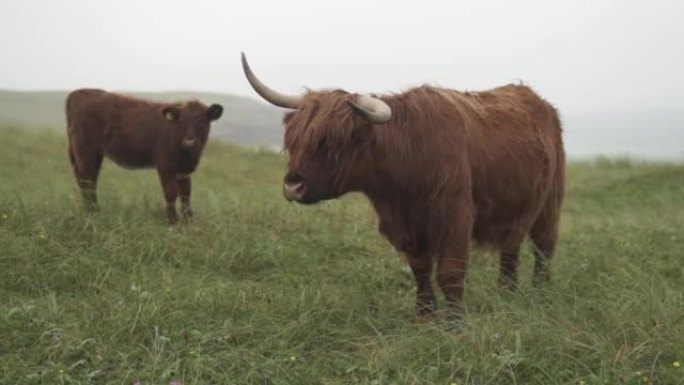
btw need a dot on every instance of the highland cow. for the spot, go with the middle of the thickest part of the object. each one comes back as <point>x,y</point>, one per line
<point>441,168</point>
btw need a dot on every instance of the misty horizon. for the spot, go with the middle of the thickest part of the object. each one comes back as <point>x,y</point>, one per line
<point>588,58</point>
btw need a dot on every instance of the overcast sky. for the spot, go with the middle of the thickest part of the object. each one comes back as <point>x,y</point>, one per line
<point>582,55</point>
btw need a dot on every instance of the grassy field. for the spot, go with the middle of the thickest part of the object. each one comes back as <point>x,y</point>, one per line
<point>258,291</point>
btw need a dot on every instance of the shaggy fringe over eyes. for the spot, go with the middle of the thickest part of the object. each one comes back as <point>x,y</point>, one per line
<point>324,122</point>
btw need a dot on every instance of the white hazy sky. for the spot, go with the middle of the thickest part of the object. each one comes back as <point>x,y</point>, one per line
<point>582,55</point>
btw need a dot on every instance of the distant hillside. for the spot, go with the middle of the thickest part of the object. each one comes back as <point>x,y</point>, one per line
<point>246,121</point>
<point>649,135</point>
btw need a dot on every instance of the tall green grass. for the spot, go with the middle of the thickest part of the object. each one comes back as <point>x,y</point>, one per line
<point>258,291</point>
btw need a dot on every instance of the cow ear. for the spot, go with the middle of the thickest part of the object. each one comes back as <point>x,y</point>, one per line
<point>171,114</point>
<point>214,111</point>
<point>287,117</point>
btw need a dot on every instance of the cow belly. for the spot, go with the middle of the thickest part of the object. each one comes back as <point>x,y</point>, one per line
<point>506,222</point>
<point>131,160</point>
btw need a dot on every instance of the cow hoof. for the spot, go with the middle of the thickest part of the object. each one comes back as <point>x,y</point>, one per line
<point>453,325</point>
<point>453,316</point>
<point>90,208</point>
<point>508,284</point>
<point>172,220</point>
<point>425,309</point>
<point>540,281</point>
<point>453,321</point>
<point>187,214</point>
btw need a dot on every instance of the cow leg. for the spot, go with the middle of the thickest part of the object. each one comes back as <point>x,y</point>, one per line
<point>86,165</point>
<point>185,189</point>
<point>170,187</point>
<point>425,296</point>
<point>452,264</point>
<point>544,234</point>
<point>544,241</point>
<point>508,269</point>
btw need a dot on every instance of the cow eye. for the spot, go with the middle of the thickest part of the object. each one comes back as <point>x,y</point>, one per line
<point>322,143</point>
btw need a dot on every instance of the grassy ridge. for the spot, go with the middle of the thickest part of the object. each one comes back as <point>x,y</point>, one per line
<point>245,121</point>
<point>255,290</point>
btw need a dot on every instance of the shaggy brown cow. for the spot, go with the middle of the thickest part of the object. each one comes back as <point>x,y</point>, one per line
<point>137,133</point>
<point>440,167</point>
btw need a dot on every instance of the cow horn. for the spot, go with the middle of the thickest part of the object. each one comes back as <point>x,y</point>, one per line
<point>271,96</point>
<point>373,109</point>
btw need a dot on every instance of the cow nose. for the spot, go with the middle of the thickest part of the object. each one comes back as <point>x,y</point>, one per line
<point>189,142</point>
<point>293,186</point>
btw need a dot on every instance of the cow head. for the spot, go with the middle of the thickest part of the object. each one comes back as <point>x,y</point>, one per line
<point>191,122</point>
<point>328,137</point>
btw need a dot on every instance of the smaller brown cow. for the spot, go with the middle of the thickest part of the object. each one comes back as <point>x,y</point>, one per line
<point>137,133</point>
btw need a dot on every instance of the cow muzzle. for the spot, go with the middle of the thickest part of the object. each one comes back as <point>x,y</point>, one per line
<point>189,143</point>
<point>294,191</point>
<point>294,187</point>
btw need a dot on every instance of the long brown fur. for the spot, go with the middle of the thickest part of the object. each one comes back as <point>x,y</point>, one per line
<point>137,133</point>
<point>447,168</point>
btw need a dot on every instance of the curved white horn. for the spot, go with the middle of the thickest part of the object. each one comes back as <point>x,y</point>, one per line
<point>373,109</point>
<point>270,95</point>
